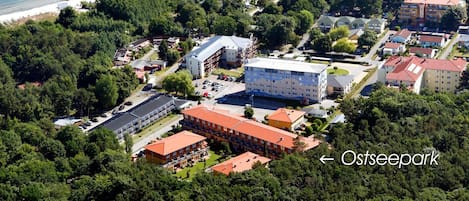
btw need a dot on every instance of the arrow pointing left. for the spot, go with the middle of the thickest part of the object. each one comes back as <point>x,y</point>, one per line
<point>323,159</point>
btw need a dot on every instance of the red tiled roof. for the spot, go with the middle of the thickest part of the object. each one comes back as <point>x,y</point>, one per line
<point>392,45</point>
<point>434,2</point>
<point>248,127</point>
<point>432,39</point>
<point>447,65</point>
<point>421,50</point>
<point>174,142</point>
<point>403,33</point>
<point>34,84</point>
<point>286,115</point>
<point>407,70</point>
<point>411,68</point>
<point>240,163</point>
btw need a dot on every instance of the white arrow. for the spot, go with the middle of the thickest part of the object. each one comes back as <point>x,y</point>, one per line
<point>323,159</point>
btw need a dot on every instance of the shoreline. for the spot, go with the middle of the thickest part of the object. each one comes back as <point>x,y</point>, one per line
<point>49,9</point>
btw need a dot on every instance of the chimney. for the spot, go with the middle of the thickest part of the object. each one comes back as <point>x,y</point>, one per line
<point>281,139</point>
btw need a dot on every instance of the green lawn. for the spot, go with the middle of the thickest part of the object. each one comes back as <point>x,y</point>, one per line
<point>199,167</point>
<point>232,73</point>
<point>339,71</point>
<point>154,56</point>
<point>457,52</point>
<point>154,127</point>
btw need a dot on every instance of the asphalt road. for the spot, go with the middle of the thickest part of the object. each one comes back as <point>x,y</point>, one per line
<point>449,47</point>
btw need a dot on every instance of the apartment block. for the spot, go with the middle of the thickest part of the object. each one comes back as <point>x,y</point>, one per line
<point>178,150</point>
<point>417,73</point>
<point>219,51</point>
<point>286,79</point>
<point>418,12</point>
<point>141,115</point>
<point>244,134</point>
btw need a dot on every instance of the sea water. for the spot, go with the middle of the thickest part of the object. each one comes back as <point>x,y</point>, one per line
<point>11,6</point>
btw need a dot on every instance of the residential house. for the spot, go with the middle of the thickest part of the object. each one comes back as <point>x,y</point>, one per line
<point>122,57</point>
<point>223,51</point>
<point>402,36</point>
<point>140,76</point>
<point>178,150</point>
<point>286,79</point>
<point>339,84</point>
<point>139,44</point>
<point>417,73</point>
<point>240,163</point>
<point>141,115</point>
<point>243,134</point>
<point>147,65</point>
<point>431,41</point>
<point>318,113</point>
<point>422,52</point>
<point>393,48</point>
<point>33,84</point>
<point>463,29</point>
<point>326,23</point>
<point>463,41</point>
<point>173,42</point>
<point>419,12</point>
<point>286,119</point>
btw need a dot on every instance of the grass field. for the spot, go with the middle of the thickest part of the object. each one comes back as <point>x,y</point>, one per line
<point>154,127</point>
<point>198,167</point>
<point>339,71</point>
<point>232,73</point>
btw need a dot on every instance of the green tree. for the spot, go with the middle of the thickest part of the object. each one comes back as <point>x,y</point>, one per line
<point>224,25</point>
<point>339,32</point>
<point>323,44</point>
<point>106,91</point>
<point>248,112</point>
<point>453,17</point>
<point>180,82</point>
<point>128,143</point>
<point>367,39</point>
<point>163,50</point>
<point>464,80</point>
<point>67,16</point>
<point>304,21</point>
<point>343,45</point>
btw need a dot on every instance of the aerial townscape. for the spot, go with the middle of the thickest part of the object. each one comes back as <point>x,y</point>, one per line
<point>234,100</point>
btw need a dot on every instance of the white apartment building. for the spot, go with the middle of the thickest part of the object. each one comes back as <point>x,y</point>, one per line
<point>224,51</point>
<point>286,79</point>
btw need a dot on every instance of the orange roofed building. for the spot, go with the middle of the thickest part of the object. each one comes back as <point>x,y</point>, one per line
<point>178,150</point>
<point>241,163</point>
<point>244,134</point>
<point>286,119</point>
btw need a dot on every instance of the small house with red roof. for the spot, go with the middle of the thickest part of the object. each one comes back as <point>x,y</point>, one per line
<point>431,41</point>
<point>402,36</point>
<point>178,150</point>
<point>286,119</point>
<point>240,163</point>
<point>422,52</point>
<point>393,48</point>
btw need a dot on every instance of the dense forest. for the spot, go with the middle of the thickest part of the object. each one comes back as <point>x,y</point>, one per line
<point>72,59</point>
<point>39,163</point>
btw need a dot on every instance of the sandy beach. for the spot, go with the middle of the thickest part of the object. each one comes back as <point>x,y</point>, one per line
<point>53,8</point>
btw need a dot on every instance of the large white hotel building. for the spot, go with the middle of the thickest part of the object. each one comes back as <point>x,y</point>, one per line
<point>286,79</point>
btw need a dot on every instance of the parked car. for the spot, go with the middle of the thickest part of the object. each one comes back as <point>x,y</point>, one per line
<point>103,115</point>
<point>204,87</point>
<point>197,93</point>
<point>128,103</point>
<point>114,111</point>
<point>87,123</point>
<point>94,119</point>
<point>121,107</point>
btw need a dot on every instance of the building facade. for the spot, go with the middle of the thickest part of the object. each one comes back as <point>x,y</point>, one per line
<point>286,79</point>
<point>141,115</point>
<point>326,23</point>
<point>178,150</point>
<point>219,51</point>
<point>417,73</point>
<point>287,119</point>
<point>243,134</point>
<point>419,12</point>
